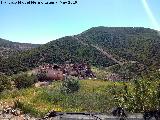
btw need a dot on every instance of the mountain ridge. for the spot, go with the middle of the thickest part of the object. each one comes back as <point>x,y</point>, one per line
<point>123,43</point>
<point>8,48</point>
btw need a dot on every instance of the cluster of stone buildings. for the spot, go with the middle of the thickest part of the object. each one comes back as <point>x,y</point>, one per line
<point>59,72</point>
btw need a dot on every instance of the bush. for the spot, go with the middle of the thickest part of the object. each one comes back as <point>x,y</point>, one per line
<point>24,80</point>
<point>139,96</point>
<point>28,108</point>
<point>41,76</point>
<point>70,85</point>
<point>4,83</point>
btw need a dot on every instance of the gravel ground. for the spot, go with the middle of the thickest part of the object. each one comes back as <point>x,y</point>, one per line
<point>64,116</point>
<point>70,117</point>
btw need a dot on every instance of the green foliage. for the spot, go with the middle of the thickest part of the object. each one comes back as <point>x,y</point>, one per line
<point>143,95</point>
<point>93,96</point>
<point>100,73</point>
<point>24,80</point>
<point>8,48</point>
<point>124,44</point>
<point>70,85</point>
<point>41,76</point>
<point>5,83</point>
<point>130,70</point>
<point>27,108</point>
<point>158,94</point>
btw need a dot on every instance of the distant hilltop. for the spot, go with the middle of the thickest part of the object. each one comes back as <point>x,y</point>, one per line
<point>8,47</point>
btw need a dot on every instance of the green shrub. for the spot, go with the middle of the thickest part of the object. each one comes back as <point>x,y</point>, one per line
<point>28,108</point>
<point>70,85</point>
<point>41,76</point>
<point>24,80</point>
<point>4,83</point>
<point>142,95</point>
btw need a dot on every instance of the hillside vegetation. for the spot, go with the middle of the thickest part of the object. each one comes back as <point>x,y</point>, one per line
<point>93,96</point>
<point>8,48</point>
<point>130,54</point>
<point>122,44</point>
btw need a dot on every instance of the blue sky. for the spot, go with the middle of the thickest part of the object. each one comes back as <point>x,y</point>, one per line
<point>43,23</point>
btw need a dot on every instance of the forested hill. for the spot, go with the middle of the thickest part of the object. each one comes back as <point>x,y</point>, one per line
<point>100,46</point>
<point>135,44</point>
<point>8,48</point>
